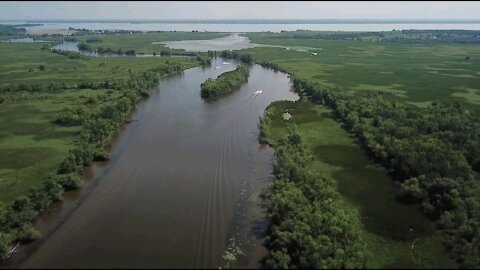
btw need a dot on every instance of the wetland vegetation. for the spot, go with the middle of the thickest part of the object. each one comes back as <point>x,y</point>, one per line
<point>58,115</point>
<point>376,168</point>
<point>439,172</point>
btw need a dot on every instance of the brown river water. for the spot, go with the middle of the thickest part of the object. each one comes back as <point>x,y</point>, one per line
<point>181,187</point>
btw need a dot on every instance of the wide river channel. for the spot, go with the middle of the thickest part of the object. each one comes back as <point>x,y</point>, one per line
<point>181,187</point>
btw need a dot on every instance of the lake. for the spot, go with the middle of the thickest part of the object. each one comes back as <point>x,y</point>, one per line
<point>63,27</point>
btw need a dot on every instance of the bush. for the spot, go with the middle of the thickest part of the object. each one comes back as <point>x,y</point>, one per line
<point>101,155</point>
<point>27,234</point>
<point>69,181</point>
<point>5,241</point>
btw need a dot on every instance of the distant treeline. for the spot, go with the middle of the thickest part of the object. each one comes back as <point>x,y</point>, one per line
<point>88,48</point>
<point>93,40</point>
<point>225,83</point>
<point>395,36</point>
<point>243,57</point>
<point>11,30</point>
<point>97,128</point>
<point>166,52</point>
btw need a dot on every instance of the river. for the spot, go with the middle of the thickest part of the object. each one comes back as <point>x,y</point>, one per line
<point>182,184</point>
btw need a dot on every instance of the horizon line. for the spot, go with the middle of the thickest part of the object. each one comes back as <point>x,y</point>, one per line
<point>249,20</point>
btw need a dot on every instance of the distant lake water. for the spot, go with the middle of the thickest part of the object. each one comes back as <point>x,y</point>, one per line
<point>62,27</point>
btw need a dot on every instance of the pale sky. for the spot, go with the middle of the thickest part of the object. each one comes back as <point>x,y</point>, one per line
<point>25,10</point>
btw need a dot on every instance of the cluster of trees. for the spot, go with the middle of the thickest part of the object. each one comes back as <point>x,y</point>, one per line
<point>309,227</point>
<point>72,116</point>
<point>93,39</point>
<point>204,60</point>
<point>244,57</point>
<point>70,54</point>
<point>105,50</point>
<point>433,151</point>
<point>88,48</point>
<point>273,66</point>
<point>110,50</point>
<point>16,217</point>
<point>35,87</point>
<point>247,59</point>
<point>435,36</point>
<point>70,39</point>
<point>225,83</point>
<point>165,53</point>
<point>85,47</point>
<point>130,52</point>
<point>11,30</point>
<point>98,123</point>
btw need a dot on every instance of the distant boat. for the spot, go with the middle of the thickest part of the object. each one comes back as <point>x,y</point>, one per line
<point>217,67</point>
<point>225,63</point>
<point>258,92</point>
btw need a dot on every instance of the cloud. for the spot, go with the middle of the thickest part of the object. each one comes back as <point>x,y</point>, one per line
<point>239,10</point>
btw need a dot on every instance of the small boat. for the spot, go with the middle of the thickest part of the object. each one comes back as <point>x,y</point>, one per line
<point>225,63</point>
<point>258,92</point>
<point>217,67</point>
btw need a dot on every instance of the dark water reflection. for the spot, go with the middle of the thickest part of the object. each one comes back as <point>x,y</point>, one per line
<point>183,180</point>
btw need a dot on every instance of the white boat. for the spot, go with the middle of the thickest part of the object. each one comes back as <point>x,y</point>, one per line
<point>225,63</point>
<point>258,92</point>
<point>217,67</point>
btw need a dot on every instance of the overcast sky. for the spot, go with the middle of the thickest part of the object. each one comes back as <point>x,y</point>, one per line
<point>24,10</point>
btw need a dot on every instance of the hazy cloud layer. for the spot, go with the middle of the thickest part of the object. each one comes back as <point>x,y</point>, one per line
<point>238,10</point>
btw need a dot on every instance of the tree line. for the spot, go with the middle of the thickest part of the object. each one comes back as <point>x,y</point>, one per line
<point>70,55</point>
<point>433,152</point>
<point>310,226</point>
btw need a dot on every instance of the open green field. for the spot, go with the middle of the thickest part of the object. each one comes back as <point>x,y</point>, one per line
<point>389,228</point>
<point>415,73</point>
<point>31,144</point>
<point>20,64</point>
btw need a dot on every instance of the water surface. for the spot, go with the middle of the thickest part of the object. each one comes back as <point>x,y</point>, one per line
<point>232,42</point>
<point>182,183</point>
<point>23,40</point>
<point>63,27</point>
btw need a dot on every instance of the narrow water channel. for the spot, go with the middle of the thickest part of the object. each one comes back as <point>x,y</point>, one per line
<point>183,182</point>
